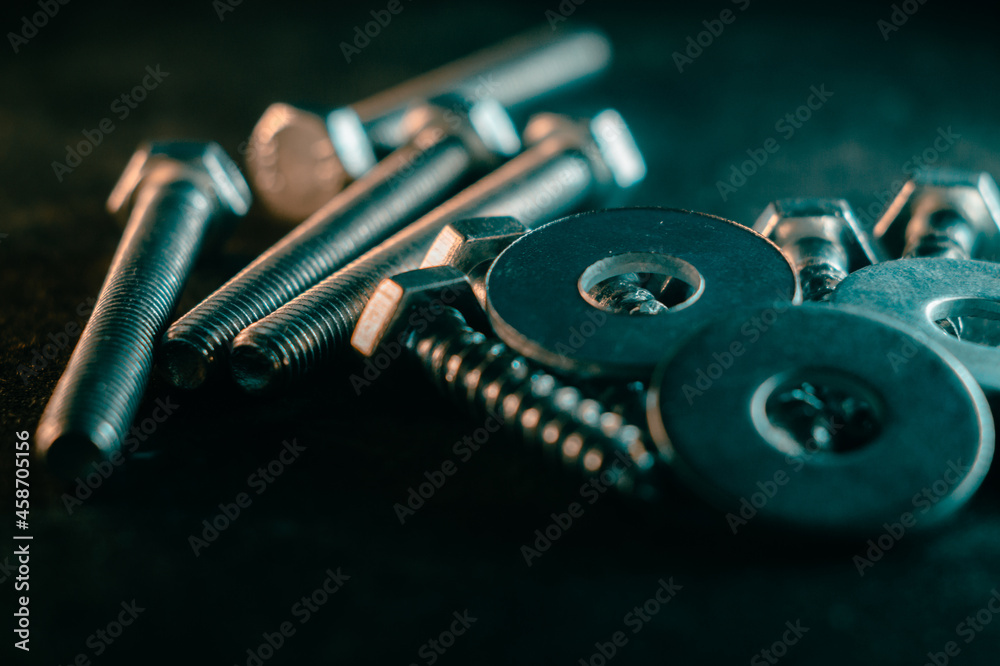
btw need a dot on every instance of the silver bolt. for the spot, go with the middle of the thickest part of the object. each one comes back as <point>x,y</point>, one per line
<point>490,378</point>
<point>408,182</point>
<point>298,161</point>
<point>178,193</point>
<point>944,213</point>
<point>570,164</point>
<point>821,237</point>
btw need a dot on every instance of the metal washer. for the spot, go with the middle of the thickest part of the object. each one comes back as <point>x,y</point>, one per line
<point>534,298</point>
<point>933,418</point>
<point>920,291</point>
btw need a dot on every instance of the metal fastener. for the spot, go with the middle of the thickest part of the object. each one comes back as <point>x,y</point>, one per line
<point>407,183</point>
<point>298,161</point>
<point>178,193</point>
<point>570,164</point>
<point>829,419</point>
<point>490,378</point>
<point>821,237</point>
<point>944,213</point>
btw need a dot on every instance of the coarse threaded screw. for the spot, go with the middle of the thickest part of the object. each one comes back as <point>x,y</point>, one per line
<point>821,237</point>
<point>299,160</point>
<point>569,165</point>
<point>491,378</point>
<point>445,149</point>
<point>179,193</point>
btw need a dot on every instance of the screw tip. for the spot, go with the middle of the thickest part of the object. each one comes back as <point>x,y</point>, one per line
<point>255,368</point>
<point>184,363</point>
<point>70,454</point>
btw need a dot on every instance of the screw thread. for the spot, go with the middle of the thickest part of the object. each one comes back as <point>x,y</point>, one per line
<point>97,396</point>
<point>943,233</point>
<point>395,192</point>
<point>308,332</point>
<point>546,414</point>
<point>819,280</point>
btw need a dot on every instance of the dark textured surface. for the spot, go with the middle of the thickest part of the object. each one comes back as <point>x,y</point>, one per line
<point>333,507</point>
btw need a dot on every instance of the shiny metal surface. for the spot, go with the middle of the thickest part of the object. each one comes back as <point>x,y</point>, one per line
<point>563,171</point>
<point>493,380</point>
<point>944,213</point>
<point>177,193</point>
<point>934,296</point>
<point>442,154</point>
<point>821,237</point>
<point>832,420</point>
<point>538,289</point>
<point>299,160</point>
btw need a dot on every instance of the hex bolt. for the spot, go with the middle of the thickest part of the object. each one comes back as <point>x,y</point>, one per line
<point>298,160</point>
<point>414,178</point>
<point>821,237</point>
<point>570,164</point>
<point>178,193</point>
<point>944,213</point>
<point>492,379</point>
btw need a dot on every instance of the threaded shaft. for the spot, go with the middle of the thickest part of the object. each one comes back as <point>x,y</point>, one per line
<point>557,419</point>
<point>818,280</point>
<point>400,188</point>
<point>310,330</point>
<point>97,396</point>
<point>943,233</point>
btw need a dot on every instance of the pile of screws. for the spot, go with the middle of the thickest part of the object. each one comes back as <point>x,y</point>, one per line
<point>645,346</point>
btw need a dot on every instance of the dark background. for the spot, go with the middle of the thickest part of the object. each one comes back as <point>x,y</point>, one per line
<point>334,506</point>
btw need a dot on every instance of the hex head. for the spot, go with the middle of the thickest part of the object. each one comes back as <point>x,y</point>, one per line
<point>605,139</point>
<point>484,124</point>
<point>206,162</point>
<point>787,222</point>
<point>971,194</point>
<point>293,164</point>
<point>468,243</point>
<point>387,317</point>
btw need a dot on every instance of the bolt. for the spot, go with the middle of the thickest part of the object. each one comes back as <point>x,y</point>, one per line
<point>407,183</point>
<point>492,379</point>
<point>298,161</point>
<point>944,213</point>
<point>178,193</point>
<point>570,164</point>
<point>821,237</point>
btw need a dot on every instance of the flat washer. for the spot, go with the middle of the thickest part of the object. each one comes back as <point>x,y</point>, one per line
<point>934,429</point>
<point>535,288</point>
<point>920,291</point>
